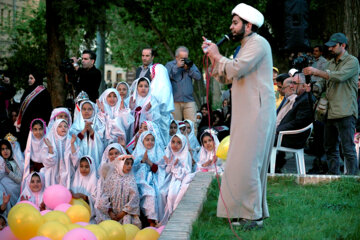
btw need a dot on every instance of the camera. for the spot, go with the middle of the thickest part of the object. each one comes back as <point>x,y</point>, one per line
<point>188,62</point>
<point>302,62</point>
<point>67,66</point>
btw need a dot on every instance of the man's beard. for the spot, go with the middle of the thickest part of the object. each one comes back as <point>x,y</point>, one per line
<point>333,55</point>
<point>239,35</point>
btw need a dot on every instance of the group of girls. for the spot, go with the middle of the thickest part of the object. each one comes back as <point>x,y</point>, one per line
<point>113,155</point>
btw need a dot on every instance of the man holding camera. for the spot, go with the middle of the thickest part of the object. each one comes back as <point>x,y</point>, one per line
<point>340,84</point>
<point>89,77</point>
<point>181,72</point>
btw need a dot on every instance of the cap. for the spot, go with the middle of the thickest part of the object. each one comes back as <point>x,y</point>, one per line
<point>248,13</point>
<point>336,38</point>
<point>276,69</point>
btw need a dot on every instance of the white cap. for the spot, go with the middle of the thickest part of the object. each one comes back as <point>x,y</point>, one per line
<point>292,72</point>
<point>248,13</point>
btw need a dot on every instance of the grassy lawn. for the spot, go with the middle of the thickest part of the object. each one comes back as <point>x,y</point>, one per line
<point>323,211</point>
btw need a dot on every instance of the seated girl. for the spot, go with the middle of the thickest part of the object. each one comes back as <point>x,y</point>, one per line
<point>143,105</point>
<point>150,175</point>
<point>60,113</point>
<point>34,189</point>
<point>173,128</point>
<point>57,153</point>
<point>11,170</point>
<point>208,158</point>
<point>33,150</point>
<point>119,199</point>
<point>89,132</point>
<point>84,183</point>
<point>178,166</point>
<point>115,116</point>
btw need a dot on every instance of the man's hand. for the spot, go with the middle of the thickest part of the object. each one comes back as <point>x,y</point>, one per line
<point>180,62</point>
<point>6,80</point>
<point>212,51</point>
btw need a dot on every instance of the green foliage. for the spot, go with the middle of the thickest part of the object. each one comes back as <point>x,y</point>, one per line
<point>323,211</point>
<point>29,45</point>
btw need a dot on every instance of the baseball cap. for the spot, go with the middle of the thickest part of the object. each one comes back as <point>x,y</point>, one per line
<point>336,38</point>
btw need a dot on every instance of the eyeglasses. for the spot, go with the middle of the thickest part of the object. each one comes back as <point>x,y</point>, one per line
<point>295,83</point>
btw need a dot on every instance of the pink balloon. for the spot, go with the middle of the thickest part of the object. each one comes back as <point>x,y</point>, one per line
<point>62,207</point>
<point>6,233</point>
<point>43,212</point>
<point>82,223</point>
<point>28,202</point>
<point>160,229</point>
<point>55,195</point>
<point>40,238</point>
<point>79,234</point>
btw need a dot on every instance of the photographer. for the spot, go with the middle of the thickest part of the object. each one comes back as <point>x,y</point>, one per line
<point>339,84</point>
<point>88,76</point>
<point>181,72</point>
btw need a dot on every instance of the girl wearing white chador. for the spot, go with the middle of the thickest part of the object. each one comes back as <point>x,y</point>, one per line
<point>86,185</point>
<point>207,156</point>
<point>150,175</point>
<point>178,166</point>
<point>161,89</point>
<point>144,106</point>
<point>34,149</point>
<point>120,193</point>
<point>87,142</point>
<point>106,158</point>
<point>57,156</point>
<point>193,142</point>
<point>115,115</point>
<point>125,97</point>
<point>58,113</point>
<point>11,169</point>
<point>34,197</point>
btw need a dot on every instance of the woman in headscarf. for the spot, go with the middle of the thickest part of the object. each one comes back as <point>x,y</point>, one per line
<point>115,116</point>
<point>89,132</point>
<point>149,170</point>
<point>119,199</point>
<point>60,113</point>
<point>11,170</point>
<point>178,166</point>
<point>34,189</point>
<point>58,169</point>
<point>33,151</point>
<point>35,103</point>
<point>84,183</point>
<point>143,105</point>
<point>161,89</point>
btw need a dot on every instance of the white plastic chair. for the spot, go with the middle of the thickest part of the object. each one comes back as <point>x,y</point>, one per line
<point>299,153</point>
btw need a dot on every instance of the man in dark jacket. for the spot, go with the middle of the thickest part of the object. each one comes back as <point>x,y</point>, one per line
<point>299,116</point>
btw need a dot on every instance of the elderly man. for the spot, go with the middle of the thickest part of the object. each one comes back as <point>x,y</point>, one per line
<point>339,82</point>
<point>243,183</point>
<point>297,113</point>
<point>181,72</point>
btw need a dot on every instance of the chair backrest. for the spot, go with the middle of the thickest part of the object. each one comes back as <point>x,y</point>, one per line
<point>289,132</point>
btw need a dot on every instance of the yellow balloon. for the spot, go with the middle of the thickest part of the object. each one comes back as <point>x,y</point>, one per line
<point>53,230</point>
<point>130,231</point>
<point>78,213</point>
<point>223,148</point>
<point>57,216</point>
<point>114,230</point>
<point>147,234</point>
<point>24,221</point>
<point>72,226</point>
<point>98,231</point>
<point>80,201</point>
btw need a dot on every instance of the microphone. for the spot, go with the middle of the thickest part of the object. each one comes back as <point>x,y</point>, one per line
<point>227,37</point>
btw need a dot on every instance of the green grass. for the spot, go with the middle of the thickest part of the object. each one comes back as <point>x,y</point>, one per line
<point>323,211</point>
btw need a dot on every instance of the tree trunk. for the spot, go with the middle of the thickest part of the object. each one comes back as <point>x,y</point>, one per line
<point>55,53</point>
<point>352,25</point>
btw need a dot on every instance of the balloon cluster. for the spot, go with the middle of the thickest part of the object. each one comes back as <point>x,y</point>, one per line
<point>69,220</point>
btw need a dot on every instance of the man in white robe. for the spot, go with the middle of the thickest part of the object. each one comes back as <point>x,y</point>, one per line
<point>253,120</point>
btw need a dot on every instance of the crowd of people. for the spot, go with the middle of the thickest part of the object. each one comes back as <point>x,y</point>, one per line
<point>123,153</point>
<point>131,152</point>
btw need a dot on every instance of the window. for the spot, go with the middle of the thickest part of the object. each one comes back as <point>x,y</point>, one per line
<point>118,77</point>
<point>108,75</point>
